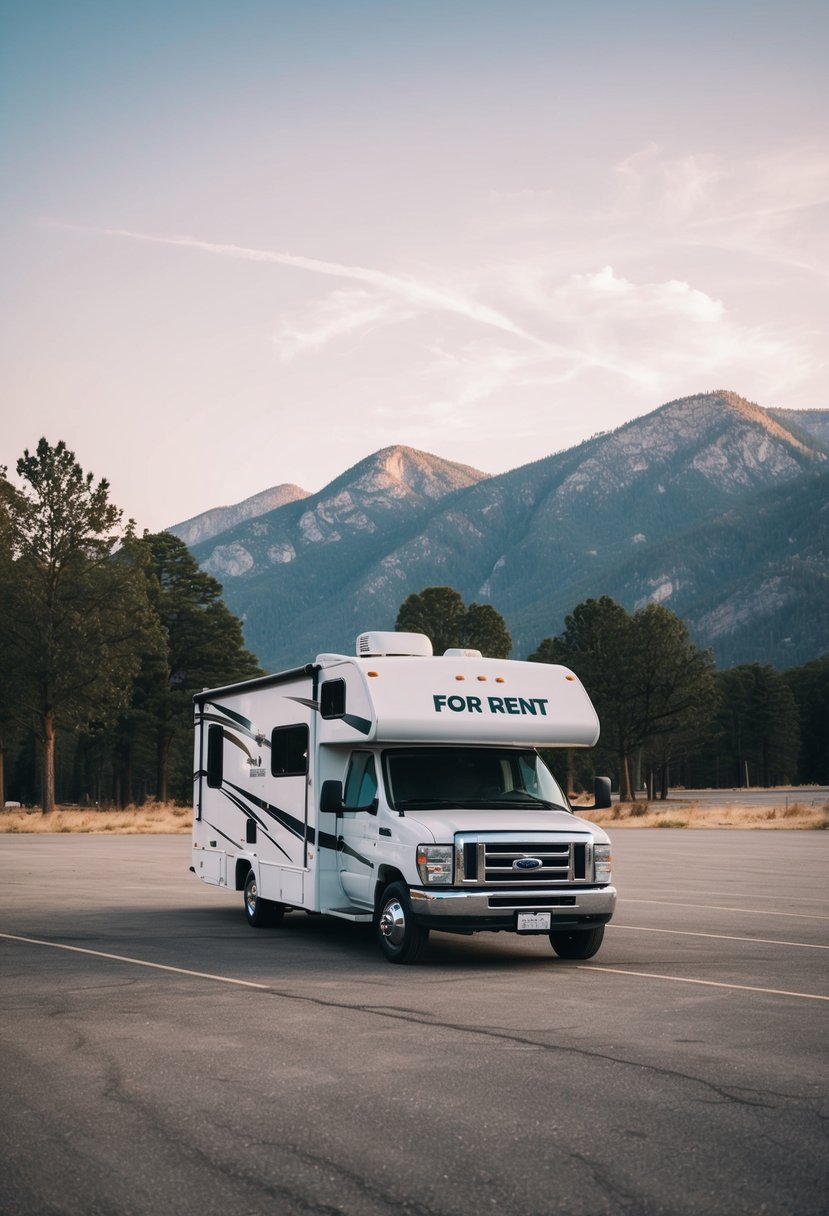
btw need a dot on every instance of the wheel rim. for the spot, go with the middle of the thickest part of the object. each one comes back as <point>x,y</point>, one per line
<point>250,896</point>
<point>393,922</point>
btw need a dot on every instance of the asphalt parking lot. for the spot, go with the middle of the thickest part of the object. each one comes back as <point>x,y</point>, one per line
<point>159,1055</point>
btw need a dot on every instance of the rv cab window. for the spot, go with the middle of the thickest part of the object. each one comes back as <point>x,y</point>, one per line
<point>289,750</point>
<point>360,781</point>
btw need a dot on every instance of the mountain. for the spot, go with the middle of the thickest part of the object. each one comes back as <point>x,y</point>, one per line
<point>811,423</point>
<point>217,520</point>
<point>706,505</point>
<point>284,569</point>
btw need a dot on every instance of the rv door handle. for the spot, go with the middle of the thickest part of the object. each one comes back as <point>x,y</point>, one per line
<point>385,832</point>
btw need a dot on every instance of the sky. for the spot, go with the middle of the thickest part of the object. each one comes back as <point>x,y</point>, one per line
<point>250,243</point>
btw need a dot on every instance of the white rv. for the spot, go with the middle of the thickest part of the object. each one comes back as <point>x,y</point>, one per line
<point>405,790</point>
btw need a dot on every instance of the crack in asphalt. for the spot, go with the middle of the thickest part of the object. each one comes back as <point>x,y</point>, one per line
<point>415,1017</point>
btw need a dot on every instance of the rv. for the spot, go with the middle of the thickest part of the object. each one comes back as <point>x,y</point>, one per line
<point>403,790</point>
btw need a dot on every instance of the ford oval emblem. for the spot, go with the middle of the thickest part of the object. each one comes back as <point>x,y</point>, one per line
<point>527,863</point>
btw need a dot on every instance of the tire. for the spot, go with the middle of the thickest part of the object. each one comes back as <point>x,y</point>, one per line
<point>260,913</point>
<point>400,939</point>
<point>576,943</point>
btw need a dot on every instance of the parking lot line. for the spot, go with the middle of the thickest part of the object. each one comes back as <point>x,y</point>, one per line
<point>675,903</point>
<point>721,937</point>
<point>137,962</point>
<point>679,979</point>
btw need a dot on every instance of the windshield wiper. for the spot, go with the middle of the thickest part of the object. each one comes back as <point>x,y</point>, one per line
<point>422,804</point>
<point>506,801</point>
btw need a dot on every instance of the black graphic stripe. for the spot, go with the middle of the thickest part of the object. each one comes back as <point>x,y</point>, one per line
<point>291,824</point>
<point>240,805</point>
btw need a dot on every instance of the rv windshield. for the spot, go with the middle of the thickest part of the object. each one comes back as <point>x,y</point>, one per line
<point>437,777</point>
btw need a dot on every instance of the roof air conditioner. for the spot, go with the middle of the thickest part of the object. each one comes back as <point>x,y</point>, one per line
<point>376,644</point>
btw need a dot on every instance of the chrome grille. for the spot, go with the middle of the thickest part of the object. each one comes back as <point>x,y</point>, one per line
<point>488,859</point>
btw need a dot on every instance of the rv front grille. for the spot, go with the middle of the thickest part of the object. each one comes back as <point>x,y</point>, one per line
<point>541,859</point>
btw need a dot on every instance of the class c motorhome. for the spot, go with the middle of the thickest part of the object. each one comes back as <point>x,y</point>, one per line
<point>405,790</point>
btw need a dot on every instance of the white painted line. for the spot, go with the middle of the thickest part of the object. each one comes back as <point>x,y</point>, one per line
<point>721,937</point>
<point>137,962</point>
<point>673,903</point>
<point>678,979</point>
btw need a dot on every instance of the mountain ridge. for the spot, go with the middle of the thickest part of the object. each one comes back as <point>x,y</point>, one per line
<point>598,518</point>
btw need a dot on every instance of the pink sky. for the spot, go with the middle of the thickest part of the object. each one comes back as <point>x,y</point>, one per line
<point>251,243</point>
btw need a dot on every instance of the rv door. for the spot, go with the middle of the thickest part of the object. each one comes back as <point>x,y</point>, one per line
<point>357,828</point>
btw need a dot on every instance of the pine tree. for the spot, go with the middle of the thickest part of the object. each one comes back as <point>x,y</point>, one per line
<point>651,687</point>
<point>75,614</point>
<point>440,614</point>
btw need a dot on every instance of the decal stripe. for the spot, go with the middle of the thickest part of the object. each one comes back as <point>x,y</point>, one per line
<point>261,740</point>
<point>234,717</point>
<point>246,810</point>
<point>218,832</point>
<point>295,826</point>
<point>361,724</point>
<point>346,848</point>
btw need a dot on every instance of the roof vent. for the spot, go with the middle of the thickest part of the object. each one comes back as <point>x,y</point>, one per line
<point>462,654</point>
<point>375,645</point>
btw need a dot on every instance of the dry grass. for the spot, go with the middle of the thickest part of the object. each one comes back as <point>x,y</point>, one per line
<point>154,817</point>
<point>168,819</point>
<point>690,814</point>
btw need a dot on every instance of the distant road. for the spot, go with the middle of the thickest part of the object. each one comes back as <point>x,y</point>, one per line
<point>806,795</point>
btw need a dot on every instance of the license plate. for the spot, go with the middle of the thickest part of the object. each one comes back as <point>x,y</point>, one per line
<point>532,922</point>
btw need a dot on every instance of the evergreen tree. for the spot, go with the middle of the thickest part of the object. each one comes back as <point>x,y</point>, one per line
<point>440,614</point>
<point>759,734</point>
<point>651,687</point>
<point>485,629</point>
<point>203,648</point>
<point>810,686</point>
<point>75,614</point>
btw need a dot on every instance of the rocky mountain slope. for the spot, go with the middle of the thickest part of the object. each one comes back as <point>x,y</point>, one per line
<point>667,507</point>
<point>219,519</point>
<point>813,424</point>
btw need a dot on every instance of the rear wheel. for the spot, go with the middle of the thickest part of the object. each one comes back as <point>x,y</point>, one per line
<point>401,940</point>
<point>260,913</point>
<point>576,943</point>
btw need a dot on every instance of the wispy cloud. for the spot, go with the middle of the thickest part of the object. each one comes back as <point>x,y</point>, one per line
<point>421,294</point>
<point>340,314</point>
<point>630,298</point>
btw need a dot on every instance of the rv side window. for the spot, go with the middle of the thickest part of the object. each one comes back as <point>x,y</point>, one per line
<point>361,781</point>
<point>215,744</point>
<point>289,751</point>
<point>332,699</point>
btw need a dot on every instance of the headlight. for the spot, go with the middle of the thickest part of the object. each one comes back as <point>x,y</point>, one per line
<point>601,862</point>
<point>435,864</point>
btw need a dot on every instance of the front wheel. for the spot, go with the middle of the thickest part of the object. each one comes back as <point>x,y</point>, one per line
<point>576,943</point>
<point>401,940</point>
<point>260,913</point>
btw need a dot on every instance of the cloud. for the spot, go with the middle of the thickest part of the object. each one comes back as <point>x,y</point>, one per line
<point>340,314</point>
<point>671,278</point>
<point>423,295</point>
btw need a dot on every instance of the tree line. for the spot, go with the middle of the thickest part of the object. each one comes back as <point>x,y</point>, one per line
<point>106,635</point>
<point>104,638</point>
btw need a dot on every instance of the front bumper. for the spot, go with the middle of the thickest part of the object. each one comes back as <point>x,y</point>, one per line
<point>497,907</point>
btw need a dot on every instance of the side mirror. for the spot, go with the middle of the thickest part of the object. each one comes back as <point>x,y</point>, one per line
<point>331,797</point>
<point>601,794</point>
